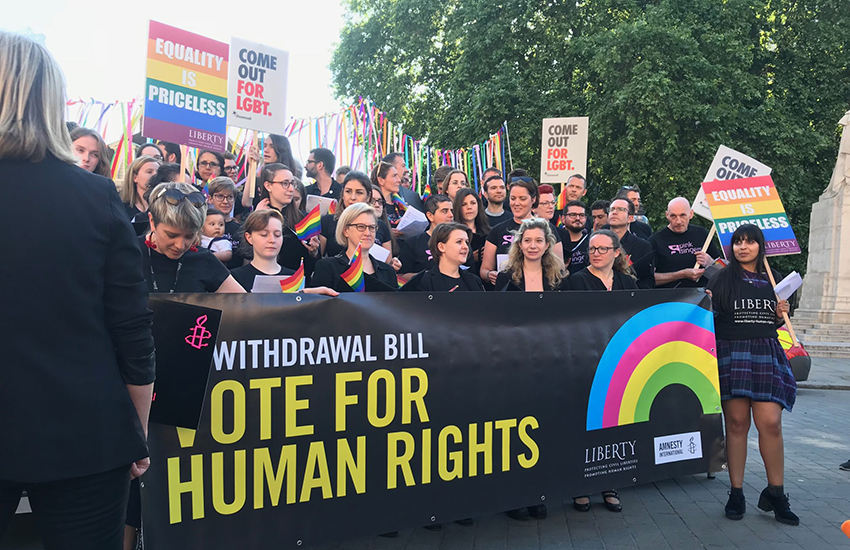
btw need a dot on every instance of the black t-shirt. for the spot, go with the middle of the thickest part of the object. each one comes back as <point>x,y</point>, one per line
<point>642,259</point>
<point>245,275</point>
<point>496,220</point>
<point>585,280</point>
<point>415,255</point>
<point>677,251</point>
<point>333,192</point>
<point>576,253</point>
<point>199,271</point>
<point>436,281</point>
<point>502,235</point>
<point>231,233</point>
<point>754,310</point>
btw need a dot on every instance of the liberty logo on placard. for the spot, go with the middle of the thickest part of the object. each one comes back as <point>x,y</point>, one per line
<point>199,334</point>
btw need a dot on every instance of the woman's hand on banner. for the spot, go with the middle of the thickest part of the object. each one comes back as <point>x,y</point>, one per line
<point>139,467</point>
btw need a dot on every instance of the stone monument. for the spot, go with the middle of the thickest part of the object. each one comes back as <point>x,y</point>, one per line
<point>826,287</point>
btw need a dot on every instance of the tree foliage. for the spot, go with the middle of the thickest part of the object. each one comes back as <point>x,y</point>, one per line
<point>664,82</point>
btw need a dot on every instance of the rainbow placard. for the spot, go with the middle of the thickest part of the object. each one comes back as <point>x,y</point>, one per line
<point>750,200</point>
<point>186,88</point>
<point>666,344</point>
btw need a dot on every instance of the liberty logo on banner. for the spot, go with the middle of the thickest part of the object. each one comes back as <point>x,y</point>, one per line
<point>199,334</point>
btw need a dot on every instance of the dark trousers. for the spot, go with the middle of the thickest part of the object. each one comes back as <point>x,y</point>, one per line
<point>84,513</point>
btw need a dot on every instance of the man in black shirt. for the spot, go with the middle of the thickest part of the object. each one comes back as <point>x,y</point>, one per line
<point>495,191</point>
<point>678,247</point>
<point>640,254</point>
<point>320,167</point>
<point>575,238</point>
<point>637,226</point>
<point>415,254</point>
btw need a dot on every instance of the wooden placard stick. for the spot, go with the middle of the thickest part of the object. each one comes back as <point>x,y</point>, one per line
<point>184,159</point>
<point>707,241</point>
<point>784,315</point>
<point>251,177</point>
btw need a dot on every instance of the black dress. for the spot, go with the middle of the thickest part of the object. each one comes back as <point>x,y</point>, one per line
<point>585,280</point>
<point>329,272</point>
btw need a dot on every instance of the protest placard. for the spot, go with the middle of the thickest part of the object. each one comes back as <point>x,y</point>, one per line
<point>564,149</point>
<point>727,164</point>
<point>256,91</point>
<point>186,88</point>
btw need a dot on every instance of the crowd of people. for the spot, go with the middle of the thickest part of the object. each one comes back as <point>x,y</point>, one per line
<point>161,230</point>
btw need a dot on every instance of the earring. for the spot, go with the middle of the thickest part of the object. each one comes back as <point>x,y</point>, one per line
<point>193,248</point>
<point>149,243</point>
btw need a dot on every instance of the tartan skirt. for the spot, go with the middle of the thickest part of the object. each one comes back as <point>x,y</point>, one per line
<point>756,368</point>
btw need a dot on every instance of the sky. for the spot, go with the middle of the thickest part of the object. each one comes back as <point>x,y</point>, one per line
<point>100,44</point>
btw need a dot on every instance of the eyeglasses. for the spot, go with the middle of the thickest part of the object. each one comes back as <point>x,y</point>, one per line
<point>618,209</point>
<point>377,202</point>
<point>175,196</point>
<point>599,249</point>
<point>311,161</point>
<point>574,215</point>
<point>156,157</point>
<point>362,227</point>
<point>231,168</point>
<point>524,179</point>
<point>223,198</point>
<point>207,164</point>
<point>548,203</point>
<point>286,184</point>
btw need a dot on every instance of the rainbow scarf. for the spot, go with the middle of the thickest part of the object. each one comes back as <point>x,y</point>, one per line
<point>562,198</point>
<point>295,282</point>
<point>354,274</point>
<point>399,202</point>
<point>310,226</point>
<point>426,192</point>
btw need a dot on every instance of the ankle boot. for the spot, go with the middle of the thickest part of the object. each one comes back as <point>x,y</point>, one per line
<point>736,505</point>
<point>774,499</point>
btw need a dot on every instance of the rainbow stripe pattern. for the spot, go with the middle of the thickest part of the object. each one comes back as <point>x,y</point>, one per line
<point>310,226</point>
<point>399,202</point>
<point>295,282</point>
<point>562,198</point>
<point>663,345</point>
<point>332,207</point>
<point>354,274</point>
<point>426,192</point>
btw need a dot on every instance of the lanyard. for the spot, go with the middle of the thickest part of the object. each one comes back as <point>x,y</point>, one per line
<point>153,275</point>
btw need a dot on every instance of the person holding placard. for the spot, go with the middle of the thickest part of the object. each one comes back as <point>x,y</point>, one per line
<point>170,152</point>
<point>320,166</point>
<point>531,265</point>
<point>450,243</point>
<point>276,150</point>
<point>639,252</point>
<point>678,247</point>
<point>755,376</point>
<point>415,255</point>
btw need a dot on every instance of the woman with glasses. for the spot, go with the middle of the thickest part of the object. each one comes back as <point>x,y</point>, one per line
<point>90,148</point>
<point>524,198</point>
<point>278,190</point>
<point>609,269</point>
<point>357,225</point>
<point>136,185</point>
<point>531,264</point>
<point>469,210</point>
<point>171,260</point>
<point>222,197</point>
<point>276,150</point>
<point>210,164</point>
<point>546,205</point>
<point>454,182</point>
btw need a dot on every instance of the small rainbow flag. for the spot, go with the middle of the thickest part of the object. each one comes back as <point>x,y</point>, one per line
<point>562,198</point>
<point>332,207</point>
<point>399,281</point>
<point>310,226</point>
<point>354,274</point>
<point>295,282</point>
<point>426,192</point>
<point>399,202</point>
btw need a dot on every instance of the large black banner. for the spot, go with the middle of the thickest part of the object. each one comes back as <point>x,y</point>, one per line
<point>326,419</point>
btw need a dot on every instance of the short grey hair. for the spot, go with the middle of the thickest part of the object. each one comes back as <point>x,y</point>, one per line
<point>182,216</point>
<point>348,216</point>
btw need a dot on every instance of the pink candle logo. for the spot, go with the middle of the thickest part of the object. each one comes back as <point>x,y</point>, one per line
<point>199,334</point>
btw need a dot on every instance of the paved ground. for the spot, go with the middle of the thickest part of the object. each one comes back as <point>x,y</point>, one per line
<point>684,513</point>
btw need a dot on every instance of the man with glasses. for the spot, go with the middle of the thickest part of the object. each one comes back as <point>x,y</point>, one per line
<point>640,254</point>
<point>575,238</point>
<point>639,222</point>
<point>409,196</point>
<point>320,167</point>
<point>678,247</point>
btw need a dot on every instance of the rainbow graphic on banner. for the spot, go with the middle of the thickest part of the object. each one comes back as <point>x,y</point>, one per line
<point>295,282</point>
<point>186,88</point>
<point>310,226</point>
<point>354,274</point>
<point>663,345</point>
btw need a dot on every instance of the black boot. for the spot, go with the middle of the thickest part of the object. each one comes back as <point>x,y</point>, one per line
<point>736,505</point>
<point>774,499</point>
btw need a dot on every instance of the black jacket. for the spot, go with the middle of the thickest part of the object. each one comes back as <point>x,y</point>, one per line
<point>505,282</point>
<point>585,280</point>
<point>430,281</point>
<point>76,326</point>
<point>329,273</point>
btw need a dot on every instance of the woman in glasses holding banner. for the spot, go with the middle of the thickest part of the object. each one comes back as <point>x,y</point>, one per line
<point>755,376</point>
<point>78,355</point>
<point>531,264</point>
<point>609,269</point>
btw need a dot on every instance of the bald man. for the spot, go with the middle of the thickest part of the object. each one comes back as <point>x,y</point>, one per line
<point>678,247</point>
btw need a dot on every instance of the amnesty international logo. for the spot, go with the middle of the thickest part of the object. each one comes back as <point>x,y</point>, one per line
<point>692,447</point>
<point>199,334</point>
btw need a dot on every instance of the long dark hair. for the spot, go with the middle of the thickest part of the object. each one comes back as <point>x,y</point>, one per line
<point>356,177</point>
<point>283,150</point>
<point>291,215</point>
<point>725,288</point>
<point>482,224</point>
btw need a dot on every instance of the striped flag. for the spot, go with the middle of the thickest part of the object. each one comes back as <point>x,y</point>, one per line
<point>310,226</point>
<point>294,282</point>
<point>354,274</point>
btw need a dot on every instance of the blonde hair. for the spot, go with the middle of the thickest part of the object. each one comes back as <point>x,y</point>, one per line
<point>103,165</point>
<point>553,267</point>
<point>348,216</point>
<point>128,191</point>
<point>183,215</point>
<point>32,102</point>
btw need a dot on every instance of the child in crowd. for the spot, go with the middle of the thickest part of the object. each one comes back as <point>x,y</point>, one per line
<point>213,236</point>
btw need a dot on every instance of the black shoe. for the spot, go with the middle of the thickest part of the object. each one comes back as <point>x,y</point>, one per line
<point>582,507</point>
<point>736,505</point>
<point>520,514</point>
<point>845,466</point>
<point>434,527</point>
<point>464,521</point>
<point>538,512</point>
<point>613,506</point>
<point>780,507</point>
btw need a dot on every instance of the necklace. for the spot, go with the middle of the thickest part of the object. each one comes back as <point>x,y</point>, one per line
<point>153,275</point>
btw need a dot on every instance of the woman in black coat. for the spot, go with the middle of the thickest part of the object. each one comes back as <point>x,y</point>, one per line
<point>449,245</point>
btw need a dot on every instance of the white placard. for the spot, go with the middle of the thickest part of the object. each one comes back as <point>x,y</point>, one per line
<point>564,149</point>
<point>256,86</point>
<point>678,447</point>
<point>379,253</point>
<point>266,284</point>
<point>727,164</point>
